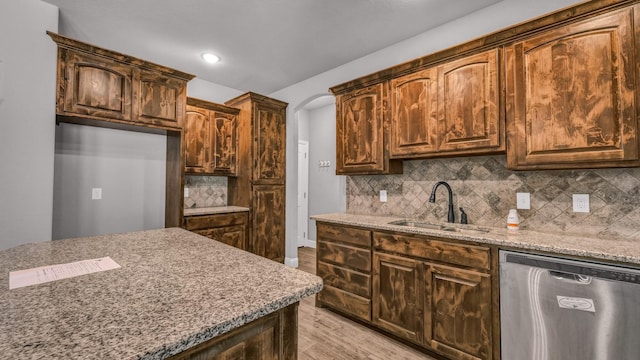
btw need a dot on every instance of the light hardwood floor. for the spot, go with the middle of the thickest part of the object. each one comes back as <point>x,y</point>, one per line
<point>324,335</point>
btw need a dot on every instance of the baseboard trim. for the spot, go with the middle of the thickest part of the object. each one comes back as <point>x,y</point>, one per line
<point>291,262</point>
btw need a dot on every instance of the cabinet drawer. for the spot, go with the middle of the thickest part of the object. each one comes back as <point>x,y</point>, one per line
<point>344,234</point>
<point>215,220</point>
<point>346,302</point>
<point>231,235</point>
<point>345,279</point>
<point>431,249</point>
<point>349,256</point>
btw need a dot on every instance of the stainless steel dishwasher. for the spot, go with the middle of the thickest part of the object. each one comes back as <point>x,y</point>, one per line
<point>561,309</point>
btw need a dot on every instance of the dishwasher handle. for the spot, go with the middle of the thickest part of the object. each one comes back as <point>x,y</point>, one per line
<point>580,270</point>
<point>582,279</point>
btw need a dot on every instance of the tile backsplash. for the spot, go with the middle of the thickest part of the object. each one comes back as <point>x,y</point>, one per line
<point>205,191</point>
<point>486,189</point>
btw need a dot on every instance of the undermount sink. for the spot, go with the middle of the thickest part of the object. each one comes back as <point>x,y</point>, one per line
<point>426,225</point>
<point>418,224</point>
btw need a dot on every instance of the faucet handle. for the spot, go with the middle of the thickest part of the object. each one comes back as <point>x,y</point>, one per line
<point>463,216</point>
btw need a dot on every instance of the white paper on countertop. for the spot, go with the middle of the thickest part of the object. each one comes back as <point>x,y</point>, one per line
<point>45,274</point>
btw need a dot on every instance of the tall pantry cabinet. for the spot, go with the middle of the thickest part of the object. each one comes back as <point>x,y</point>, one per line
<point>260,180</point>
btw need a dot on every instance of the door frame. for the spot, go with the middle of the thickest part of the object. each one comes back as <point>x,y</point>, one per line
<point>302,236</point>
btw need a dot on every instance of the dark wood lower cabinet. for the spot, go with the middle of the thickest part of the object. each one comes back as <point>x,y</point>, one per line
<point>397,295</point>
<point>268,238</point>
<point>458,312</point>
<point>435,293</point>
<point>344,264</point>
<point>229,228</point>
<point>272,337</point>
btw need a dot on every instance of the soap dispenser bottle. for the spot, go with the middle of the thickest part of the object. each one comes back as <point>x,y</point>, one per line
<point>513,220</point>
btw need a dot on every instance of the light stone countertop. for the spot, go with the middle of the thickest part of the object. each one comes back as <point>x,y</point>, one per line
<point>214,210</point>
<point>610,249</point>
<point>174,290</point>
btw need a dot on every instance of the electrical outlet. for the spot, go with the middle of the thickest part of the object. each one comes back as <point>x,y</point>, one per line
<point>186,192</point>
<point>383,195</point>
<point>523,200</point>
<point>580,203</point>
<point>96,193</point>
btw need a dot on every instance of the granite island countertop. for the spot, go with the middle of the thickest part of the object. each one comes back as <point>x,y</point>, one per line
<point>174,290</point>
<point>610,249</point>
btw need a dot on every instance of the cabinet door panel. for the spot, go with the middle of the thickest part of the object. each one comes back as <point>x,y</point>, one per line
<point>268,221</point>
<point>225,127</point>
<point>161,100</point>
<point>397,305</point>
<point>458,312</point>
<point>570,94</point>
<point>197,140</point>
<point>269,146</point>
<point>97,87</point>
<point>360,130</point>
<point>414,125</point>
<point>469,118</point>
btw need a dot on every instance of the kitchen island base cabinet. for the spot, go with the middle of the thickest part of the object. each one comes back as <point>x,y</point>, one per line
<point>273,337</point>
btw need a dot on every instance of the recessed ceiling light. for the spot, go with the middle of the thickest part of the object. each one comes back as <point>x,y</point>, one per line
<point>210,58</point>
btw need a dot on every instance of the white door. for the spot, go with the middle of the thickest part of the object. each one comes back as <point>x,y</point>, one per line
<point>303,192</point>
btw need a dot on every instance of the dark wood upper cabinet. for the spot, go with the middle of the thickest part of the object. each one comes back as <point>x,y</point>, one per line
<point>414,121</point>
<point>469,119</point>
<point>197,133</point>
<point>571,95</point>
<point>161,99</point>
<point>361,141</point>
<point>99,84</point>
<point>94,86</point>
<point>556,92</point>
<point>269,148</point>
<point>211,138</point>
<point>449,109</point>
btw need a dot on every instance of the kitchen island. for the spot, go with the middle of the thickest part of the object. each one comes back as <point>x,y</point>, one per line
<point>176,293</point>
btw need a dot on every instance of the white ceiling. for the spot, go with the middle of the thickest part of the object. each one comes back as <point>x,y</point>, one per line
<point>265,45</point>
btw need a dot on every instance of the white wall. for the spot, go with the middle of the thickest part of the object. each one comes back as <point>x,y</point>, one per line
<point>326,189</point>
<point>204,90</point>
<point>27,120</point>
<point>303,124</point>
<point>128,166</point>
<point>490,19</point>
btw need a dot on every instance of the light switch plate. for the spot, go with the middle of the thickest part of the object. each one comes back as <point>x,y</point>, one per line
<point>96,193</point>
<point>186,192</point>
<point>383,195</point>
<point>581,203</point>
<point>523,200</point>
